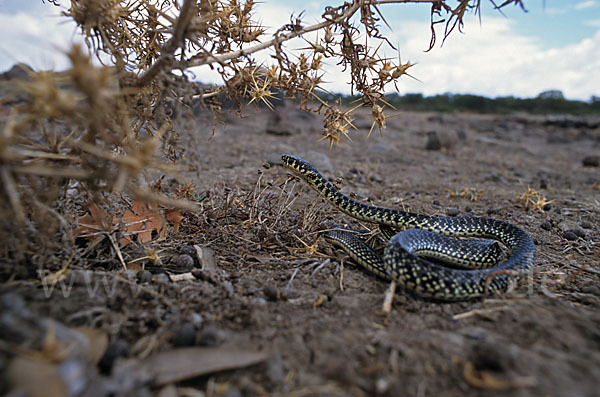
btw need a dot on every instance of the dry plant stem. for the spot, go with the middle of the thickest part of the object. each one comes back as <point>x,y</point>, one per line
<point>13,195</point>
<point>117,250</point>
<point>291,35</point>
<point>168,50</point>
<point>389,298</point>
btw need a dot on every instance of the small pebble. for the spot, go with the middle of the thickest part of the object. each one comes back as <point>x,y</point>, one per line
<point>271,292</point>
<point>185,335</point>
<point>433,142</point>
<point>570,236</point>
<point>184,262</point>
<point>290,294</point>
<point>382,385</point>
<point>543,184</point>
<point>586,225</point>
<point>591,289</point>
<point>547,207</point>
<point>452,211</point>
<point>546,225</point>
<point>210,336</point>
<point>115,350</point>
<point>144,276</point>
<point>130,275</point>
<point>591,161</point>
<point>468,209</point>
<point>491,211</point>
<point>436,202</point>
<point>162,278</point>
<point>189,250</point>
<point>197,319</point>
<point>275,370</point>
<point>233,392</point>
<point>578,232</point>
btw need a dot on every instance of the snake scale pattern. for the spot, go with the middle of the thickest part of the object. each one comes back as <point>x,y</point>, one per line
<point>413,273</point>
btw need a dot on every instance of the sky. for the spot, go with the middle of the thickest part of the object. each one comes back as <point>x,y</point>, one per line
<point>555,45</point>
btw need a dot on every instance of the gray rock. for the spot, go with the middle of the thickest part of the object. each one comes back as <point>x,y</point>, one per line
<point>591,161</point>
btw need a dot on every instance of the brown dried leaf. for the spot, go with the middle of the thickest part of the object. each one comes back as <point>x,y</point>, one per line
<point>36,378</point>
<point>174,216</point>
<point>187,363</point>
<point>141,220</point>
<point>92,222</point>
<point>485,380</point>
<point>98,340</point>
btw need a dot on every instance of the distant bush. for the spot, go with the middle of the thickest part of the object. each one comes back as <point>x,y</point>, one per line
<point>542,104</point>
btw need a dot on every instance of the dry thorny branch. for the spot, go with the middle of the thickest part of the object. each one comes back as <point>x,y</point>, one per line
<point>97,130</point>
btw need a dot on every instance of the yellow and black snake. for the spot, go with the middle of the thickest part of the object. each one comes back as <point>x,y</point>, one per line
<point>413,273</point>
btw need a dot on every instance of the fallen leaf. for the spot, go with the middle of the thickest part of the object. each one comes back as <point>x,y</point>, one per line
<point>94,221</point>
<point>98,340</point>
<point>186,363</point>
<point>485,380</point>
<point>319,302</point>
<point>35,378</point>
<point>140,220</point>
<point>174,216</point>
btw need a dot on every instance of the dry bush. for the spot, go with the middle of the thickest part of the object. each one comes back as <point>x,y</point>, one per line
<point>92,132</point>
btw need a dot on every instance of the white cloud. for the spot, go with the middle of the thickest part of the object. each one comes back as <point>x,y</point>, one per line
<point>494,60</point>
<point>38,37</point>
<point>595,23</point>
<point>585,4</point>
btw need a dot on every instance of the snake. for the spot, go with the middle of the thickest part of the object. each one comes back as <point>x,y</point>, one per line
<point>472,273</point>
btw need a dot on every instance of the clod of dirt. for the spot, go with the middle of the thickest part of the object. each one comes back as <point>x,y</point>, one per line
<point>189,250</point>
<point>115,350</point>
<point>567,226</point>
<point>185,335</point>
<point>488,356</point>
<point>433,142</point>
<point>278,124</point>
<point>183,262</point>
<point>452,211</point>
<point>546,225</point>
<point>591,161</point>
<point>144,276</point>
<point>578,232</point>
<point>586,225</point>
<point>271,292</point>
<point>569,235</point>
<point>210,336</point>
<point>275,370</point>
<point>438,140</point>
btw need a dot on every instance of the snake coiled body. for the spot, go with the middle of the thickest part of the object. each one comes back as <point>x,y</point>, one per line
<point>414,274</point>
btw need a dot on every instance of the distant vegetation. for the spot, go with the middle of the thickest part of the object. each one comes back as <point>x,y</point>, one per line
<point>546,102</point>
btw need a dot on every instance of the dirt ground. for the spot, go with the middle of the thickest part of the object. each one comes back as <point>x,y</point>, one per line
<point>249,301</point>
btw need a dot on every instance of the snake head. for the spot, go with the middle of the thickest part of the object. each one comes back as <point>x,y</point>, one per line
<point>295,163</point>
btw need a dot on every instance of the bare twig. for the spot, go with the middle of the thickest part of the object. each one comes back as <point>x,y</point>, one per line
<point>175,42</point>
